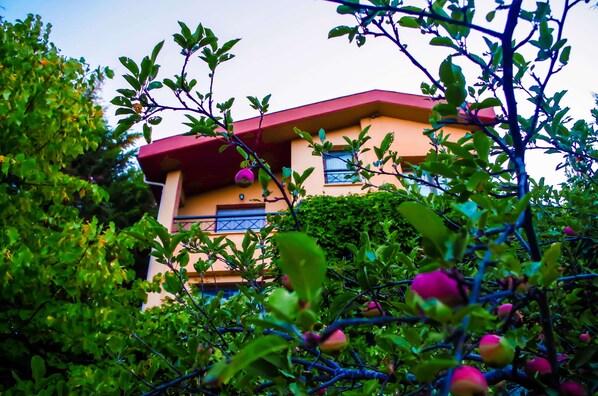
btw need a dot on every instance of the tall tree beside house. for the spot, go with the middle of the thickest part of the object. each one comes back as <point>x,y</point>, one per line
<point>500,296</point>
<point>64,309</point>
<point>110,166</point>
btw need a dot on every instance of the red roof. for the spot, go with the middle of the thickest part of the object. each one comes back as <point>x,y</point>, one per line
<point>205,169</point>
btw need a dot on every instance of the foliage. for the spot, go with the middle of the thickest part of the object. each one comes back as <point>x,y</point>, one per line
<point>338,222</point>
<point>499,235</point>
<point>62,297</point>
<point>109,165</point>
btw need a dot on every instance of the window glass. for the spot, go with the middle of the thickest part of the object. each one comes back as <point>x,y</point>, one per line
<point>212,291</point>
<point>424,188</point>
<point>227,292</point>
<point>240,219</point>
<point>336,164</point>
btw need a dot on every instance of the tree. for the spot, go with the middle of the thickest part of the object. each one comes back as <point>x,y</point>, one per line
<point>493,237</point>
<point>62,294</point>
<point>109,165</point>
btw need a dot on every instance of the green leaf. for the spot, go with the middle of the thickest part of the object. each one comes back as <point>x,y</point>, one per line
<point>445,109</point>
<point>486,103</point>
<point>482,144</point>
<point>549,269</point>
<point>428,223</point>
<point>222,372</point>
<point>154,85</point>
<point>455,95</point>
<point>340,31</point>
<point>564,57</point>
<point>38,368</point>
<point>108,72</point>
<point>304,263</point>
<point>130,65</point>
<point>156,51</point>
<point>147,133</point>
<point>442,42</point>
<point>242,152</point>
<point>284,305</point>
<point>427,371</point>
<point>286,172</point>
<point>322,135</point>
<point>409,22</point>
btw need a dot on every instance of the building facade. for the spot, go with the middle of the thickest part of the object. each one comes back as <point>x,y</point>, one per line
<point>197,181</point>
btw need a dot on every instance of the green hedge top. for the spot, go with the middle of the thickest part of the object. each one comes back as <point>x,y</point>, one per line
<point>337,222</point>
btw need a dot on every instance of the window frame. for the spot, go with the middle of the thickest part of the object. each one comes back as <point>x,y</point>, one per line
<point>341,172</point>
<point>424,189</point>
<point>248,221</point>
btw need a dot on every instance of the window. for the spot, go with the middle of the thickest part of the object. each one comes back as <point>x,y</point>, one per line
<point>227,291</point>
<point>424,188</point>
<point>337,167</point>
<point>212,291</point>
<point>240,218</point>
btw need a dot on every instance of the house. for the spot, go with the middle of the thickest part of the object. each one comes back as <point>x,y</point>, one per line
<point>198,181</point>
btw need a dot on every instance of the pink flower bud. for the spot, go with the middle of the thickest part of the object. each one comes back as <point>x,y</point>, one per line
<point>468,381</point>
<point>437,284</point>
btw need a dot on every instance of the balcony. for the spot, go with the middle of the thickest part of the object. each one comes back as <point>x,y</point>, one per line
<point>224,223</point>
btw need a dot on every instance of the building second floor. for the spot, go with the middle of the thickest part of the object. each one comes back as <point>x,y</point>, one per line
<point>197,177</point>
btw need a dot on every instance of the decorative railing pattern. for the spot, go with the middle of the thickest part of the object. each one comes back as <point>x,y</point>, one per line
<point>336,176</point>
<point>223,224</point>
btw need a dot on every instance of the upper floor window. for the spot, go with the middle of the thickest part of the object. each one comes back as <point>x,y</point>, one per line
<point>337,167</point>
<point>427,186</point>
<point>240,218</point>
<point>212,291</point>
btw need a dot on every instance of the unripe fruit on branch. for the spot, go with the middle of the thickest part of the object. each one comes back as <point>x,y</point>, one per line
<point>496,351</point>
<point>585,337</point>
<point>286,282</point>
<point>202,350</point>
<point>504,311</point>
<point>437,284</point>
<point>569,231</point>
<point>244,178</point>
<point>310,339</point>
<point>538,366</point>
<point>371,309</point>
<point>468,381</point>
<point>512,283</point>
<point>336,342</point>
<point>572,389</point>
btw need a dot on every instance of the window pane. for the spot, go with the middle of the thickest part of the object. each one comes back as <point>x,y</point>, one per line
<point>212,291</point>
<point>424,189</point>
<point>240,219</point>
<point>335,167</point>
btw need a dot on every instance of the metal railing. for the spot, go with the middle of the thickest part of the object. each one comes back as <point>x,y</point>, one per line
<point>336,176</point>
<point>224,223</point>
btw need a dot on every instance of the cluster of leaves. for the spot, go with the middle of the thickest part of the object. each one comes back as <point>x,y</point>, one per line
<point>336,223</point>
<point>494,231</point>
<point>109,165</point>
<point>62,292</point>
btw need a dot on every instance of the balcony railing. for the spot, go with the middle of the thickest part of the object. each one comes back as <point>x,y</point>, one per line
<point>337,176</point>
<point>224,223</point>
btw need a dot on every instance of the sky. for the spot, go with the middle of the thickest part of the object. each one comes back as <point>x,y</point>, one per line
<point>284,50</point>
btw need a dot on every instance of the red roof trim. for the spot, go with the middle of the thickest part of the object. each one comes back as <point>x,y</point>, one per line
<point>295,114</point>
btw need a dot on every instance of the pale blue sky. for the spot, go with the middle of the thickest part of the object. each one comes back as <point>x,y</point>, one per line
<point>284,49</point>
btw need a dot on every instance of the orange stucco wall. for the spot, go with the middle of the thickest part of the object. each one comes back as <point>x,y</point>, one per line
<point>409,142</point>
<point>206,204</point>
